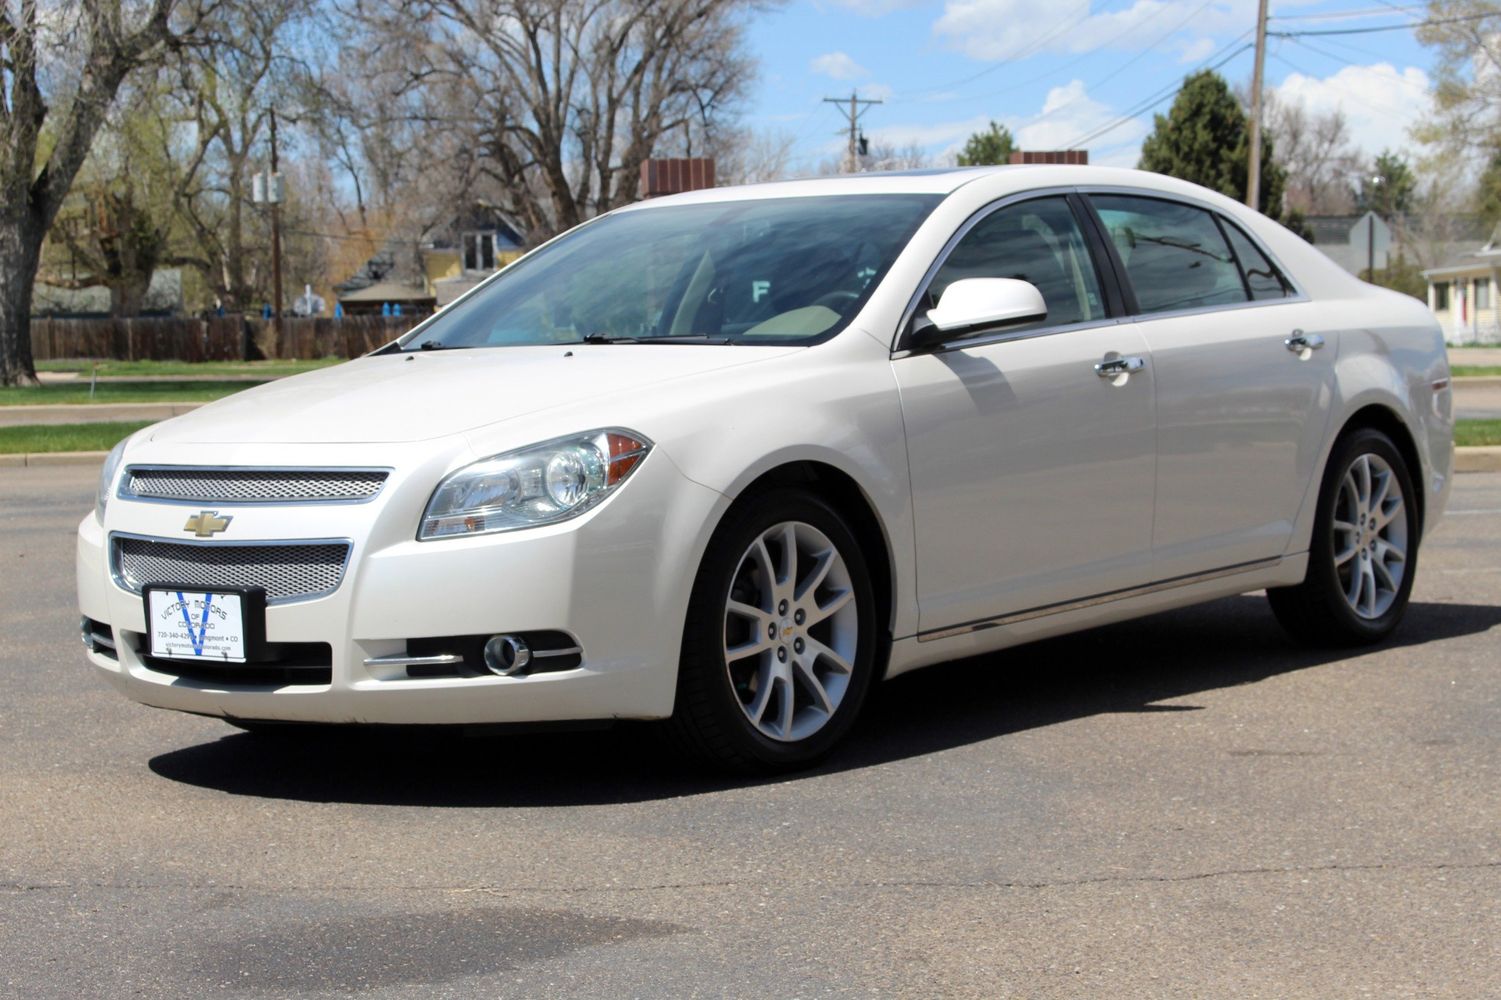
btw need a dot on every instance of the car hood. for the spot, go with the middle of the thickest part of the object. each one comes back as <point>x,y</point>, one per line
<point>422,395</point>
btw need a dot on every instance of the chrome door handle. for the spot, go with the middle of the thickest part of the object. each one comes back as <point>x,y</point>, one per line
<point>1119,366</point>
<point>1300,342</point>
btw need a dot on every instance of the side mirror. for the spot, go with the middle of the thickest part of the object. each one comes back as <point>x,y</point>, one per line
<point>973,303</point>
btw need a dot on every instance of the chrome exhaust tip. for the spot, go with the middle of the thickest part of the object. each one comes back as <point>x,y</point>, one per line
<point>507,655</point>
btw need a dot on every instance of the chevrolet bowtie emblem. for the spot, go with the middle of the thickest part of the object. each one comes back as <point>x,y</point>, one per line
<point>207,524</point>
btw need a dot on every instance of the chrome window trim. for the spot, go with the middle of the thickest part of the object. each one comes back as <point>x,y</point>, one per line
<point>123,492</point>
<point>348,543</point>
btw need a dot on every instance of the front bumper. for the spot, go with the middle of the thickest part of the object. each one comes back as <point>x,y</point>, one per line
<point>617,579</point>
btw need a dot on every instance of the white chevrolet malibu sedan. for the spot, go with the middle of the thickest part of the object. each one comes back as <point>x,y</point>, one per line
<point>729,458</point>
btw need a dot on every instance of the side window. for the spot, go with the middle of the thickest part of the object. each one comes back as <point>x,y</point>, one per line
<point>1037,241</point>
<point>1175,255</point>
<point>1261,276</point>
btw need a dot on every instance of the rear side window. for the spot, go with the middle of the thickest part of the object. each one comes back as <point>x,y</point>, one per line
<point>1262,278</point>
<point>1175,255</point>
<point>1037,241</point>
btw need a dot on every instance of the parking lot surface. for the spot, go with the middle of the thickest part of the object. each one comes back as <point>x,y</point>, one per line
<point>1187,805</point>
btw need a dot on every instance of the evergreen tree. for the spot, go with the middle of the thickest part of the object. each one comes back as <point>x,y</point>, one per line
<point>1205,138</point>
<point>988,148</point>
<point>1389,190</point>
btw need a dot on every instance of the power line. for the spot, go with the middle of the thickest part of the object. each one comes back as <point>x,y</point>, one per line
<point>1385,27</point>
<point>1157,97</point>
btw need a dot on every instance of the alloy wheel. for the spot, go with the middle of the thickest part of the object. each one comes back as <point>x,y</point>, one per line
<point>791,627</point>
<point>1370,536</point>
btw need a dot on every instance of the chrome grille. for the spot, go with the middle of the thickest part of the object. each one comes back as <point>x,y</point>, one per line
<point>288,571</point>
<point>197,485</point>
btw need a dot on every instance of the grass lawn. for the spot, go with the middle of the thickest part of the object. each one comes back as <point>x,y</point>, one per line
<point>270,369</point>
<point>119,392</point>
<point>1477,432</point>
<point>1460,371</point>
<point>65,437</point>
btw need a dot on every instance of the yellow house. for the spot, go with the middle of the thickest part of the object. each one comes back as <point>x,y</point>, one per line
<point>1462,295</point>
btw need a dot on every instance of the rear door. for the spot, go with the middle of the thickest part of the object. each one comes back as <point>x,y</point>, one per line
<point>1241,413</point>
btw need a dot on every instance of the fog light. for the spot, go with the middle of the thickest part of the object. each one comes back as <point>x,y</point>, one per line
<point>506,655</point>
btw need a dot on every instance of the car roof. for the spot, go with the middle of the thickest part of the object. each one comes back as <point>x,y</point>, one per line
<point>940,181</point>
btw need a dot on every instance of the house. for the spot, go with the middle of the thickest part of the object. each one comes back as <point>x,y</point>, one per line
<point>475,245</point>
<point>1462,294</point>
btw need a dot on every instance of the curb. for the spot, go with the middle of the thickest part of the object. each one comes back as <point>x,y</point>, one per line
<point>1481,459</point>
<point>53,458</point>
<point>90,413</point>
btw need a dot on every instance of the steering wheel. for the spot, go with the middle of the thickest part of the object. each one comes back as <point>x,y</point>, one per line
<point>837,300</point>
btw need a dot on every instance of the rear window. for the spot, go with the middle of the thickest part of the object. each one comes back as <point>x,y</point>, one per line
<point>1175,255</point>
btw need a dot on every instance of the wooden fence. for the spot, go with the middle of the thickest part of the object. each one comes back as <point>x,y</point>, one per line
<point>219,338</point>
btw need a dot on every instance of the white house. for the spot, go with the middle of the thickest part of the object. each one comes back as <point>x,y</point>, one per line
<point>1462,294</point>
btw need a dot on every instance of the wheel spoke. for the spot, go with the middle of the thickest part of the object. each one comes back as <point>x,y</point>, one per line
<point>757,708</point>
<point>750,611</point>
<point>1342,557</point>
<point>1357,580</point>
<point>1368,582</point>
<point>813,685</point>
<point>822,612</point>
<point>1383,484</point>
<point>1387,552</point>
<point>762,556</point>
<point>1363,479</point>
<point>816,578</point>
<point>787,704</point>
<point>1380,569</point>
<point>1388,515</point>
<point>820,651</point>
<point>789,557</point>
<point>759,644</point>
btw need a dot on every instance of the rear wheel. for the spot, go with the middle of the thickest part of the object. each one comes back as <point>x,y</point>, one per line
<point>779,647</point>
<point>1364,549</point>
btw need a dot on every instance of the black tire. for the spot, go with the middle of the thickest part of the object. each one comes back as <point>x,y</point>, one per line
<point>1317,611</point>
<point>708,718</point>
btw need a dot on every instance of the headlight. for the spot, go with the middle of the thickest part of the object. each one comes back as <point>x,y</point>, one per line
<point>107,478</point>
<point>542,484</point>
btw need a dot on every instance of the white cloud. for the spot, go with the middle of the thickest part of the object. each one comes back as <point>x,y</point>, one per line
<point>1013,29</point>
<point>876,92</point>
<point>1380,103</point>
<point>875,8</point>
<point>1197,50</point>
<point>1068,114</point>
<point>948,135</point>
<point>838,66</point>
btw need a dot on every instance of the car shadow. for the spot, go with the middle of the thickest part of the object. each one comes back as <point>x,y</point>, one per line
<point>1129,667</point>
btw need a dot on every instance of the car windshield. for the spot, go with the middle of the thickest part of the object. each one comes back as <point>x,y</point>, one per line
<point>771,271</point>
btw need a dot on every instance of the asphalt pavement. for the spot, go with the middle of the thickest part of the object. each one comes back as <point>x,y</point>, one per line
<point>1184,806</point>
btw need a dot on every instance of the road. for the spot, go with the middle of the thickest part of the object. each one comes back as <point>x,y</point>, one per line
<point>1185,806</point>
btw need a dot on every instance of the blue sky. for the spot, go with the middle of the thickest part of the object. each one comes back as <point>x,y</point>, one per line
<point>1053,71</point>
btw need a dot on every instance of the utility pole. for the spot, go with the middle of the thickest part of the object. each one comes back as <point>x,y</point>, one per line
<point>857,107</point>
<point>273,186</point>
<point>1253,169</point>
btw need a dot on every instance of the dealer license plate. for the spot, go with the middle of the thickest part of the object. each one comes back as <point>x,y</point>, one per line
<point>197,625</point>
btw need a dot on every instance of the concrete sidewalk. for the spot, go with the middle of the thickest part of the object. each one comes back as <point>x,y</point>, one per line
<point>90,413</point>
<point>1480,356</point>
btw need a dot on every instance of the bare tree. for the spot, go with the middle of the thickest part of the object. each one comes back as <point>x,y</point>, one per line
<point>557,102</point>
<point>1317,153</point>
<point>60,68</point>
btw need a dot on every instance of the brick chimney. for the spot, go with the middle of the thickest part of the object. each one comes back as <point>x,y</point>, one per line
<point>674,176</point>
<point>1079,157</point>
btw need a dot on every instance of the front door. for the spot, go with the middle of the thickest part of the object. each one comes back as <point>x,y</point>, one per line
<point>1032,475</point>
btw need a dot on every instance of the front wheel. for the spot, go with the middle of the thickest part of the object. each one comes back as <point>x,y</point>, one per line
<point>779,648</point>
<point>1364,550</point>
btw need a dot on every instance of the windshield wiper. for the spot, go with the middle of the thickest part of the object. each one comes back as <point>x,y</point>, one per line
<point>680,338</point>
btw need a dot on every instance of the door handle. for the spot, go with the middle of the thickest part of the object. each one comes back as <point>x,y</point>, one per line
<point>1300,342</point>
<point>1119,366</point>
